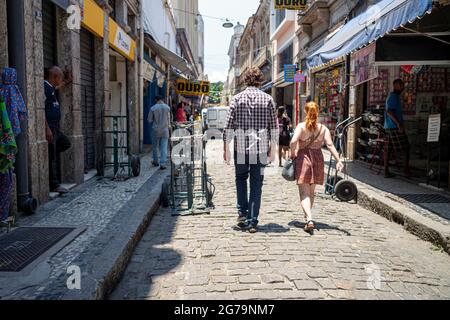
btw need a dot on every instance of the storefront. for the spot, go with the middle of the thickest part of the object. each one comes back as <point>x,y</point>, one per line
<point>418,53</point>
<point>329,94</point>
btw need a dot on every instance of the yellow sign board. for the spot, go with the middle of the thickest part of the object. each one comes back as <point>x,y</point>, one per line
<point>291,4</point>
<point>93,18</point>
<point>121,41</point>
<point>191,88</point>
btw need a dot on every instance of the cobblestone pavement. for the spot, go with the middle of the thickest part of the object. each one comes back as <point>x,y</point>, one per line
<point>205,257</point>
<point>92,205</point>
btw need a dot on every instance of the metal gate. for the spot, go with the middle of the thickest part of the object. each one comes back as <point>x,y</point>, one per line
<point>87,65</point>
<point>49,33</point>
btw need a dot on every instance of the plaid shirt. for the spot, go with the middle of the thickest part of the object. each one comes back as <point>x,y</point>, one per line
<point>252,121</point>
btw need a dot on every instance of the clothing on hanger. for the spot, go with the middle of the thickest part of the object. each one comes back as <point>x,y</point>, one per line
<point>15,104</point>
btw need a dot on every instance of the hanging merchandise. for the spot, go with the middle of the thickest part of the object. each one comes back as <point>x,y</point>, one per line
<point>8,150</point>
<point>15,105</point>
<point>409,95</point>
<point>6,188</point>
<point>8,147</point>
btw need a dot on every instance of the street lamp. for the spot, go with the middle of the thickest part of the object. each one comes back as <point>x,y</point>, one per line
<point>228,24</point>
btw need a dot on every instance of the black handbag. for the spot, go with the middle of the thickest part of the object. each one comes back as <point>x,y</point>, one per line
<point>289,170</point>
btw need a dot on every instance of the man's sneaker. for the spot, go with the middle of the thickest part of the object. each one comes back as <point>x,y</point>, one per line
<point>163,168</point>
<point>241,221</point>
<point>252,228</point>
<point>155,164</point>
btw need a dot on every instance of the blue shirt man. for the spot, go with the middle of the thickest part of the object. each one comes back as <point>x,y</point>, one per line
<point>394,107</point>
<point>396,140</point>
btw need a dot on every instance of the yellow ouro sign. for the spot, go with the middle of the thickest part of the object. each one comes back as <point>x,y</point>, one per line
<point>291,4</point>
<point>191,88</point>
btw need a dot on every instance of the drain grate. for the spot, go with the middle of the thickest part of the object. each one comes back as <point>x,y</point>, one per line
<point>424,198</point>
<point>24,245</point>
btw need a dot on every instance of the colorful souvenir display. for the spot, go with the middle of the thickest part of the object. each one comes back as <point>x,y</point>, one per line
<point>379,88</point>
<point>432,80</point>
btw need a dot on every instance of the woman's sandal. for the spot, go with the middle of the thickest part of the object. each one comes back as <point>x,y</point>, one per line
<point>310,226</point>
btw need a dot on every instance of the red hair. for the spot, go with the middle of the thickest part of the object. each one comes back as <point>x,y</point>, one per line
<point>312,115</point>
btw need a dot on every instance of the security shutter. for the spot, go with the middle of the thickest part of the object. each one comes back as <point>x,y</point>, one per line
<point>88,96</point>
<point>49,33</point>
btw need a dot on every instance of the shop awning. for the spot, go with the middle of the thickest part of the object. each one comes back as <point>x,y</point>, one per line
<point>375,22</point>
<point>267,86</point>
<point>170,57</point>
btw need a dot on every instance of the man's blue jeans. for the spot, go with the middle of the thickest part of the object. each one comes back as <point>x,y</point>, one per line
<point>162,144</point>
<point>249,206</point>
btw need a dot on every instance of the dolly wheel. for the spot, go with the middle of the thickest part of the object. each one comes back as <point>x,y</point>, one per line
<point>165,194</point>
<point>346,191</point>
<point>136,166</point>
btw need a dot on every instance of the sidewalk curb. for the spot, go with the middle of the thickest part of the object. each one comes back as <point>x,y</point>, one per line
<point>104,265</point>
<point>412,221</point>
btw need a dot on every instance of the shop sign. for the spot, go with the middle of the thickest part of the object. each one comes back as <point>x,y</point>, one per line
<point>93,17</point>
<point>149,71</point>
<point>363,65</point>
<point>299,78</point>
<point>193,88</point>
<point>434,128</point>
<point>291,4</point>
<point>290,70</point>
<point>121,41</point>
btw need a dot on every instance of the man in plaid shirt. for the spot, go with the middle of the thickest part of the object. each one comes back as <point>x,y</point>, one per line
<point>252,123</point>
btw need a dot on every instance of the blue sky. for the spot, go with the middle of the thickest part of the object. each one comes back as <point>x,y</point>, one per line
<point>217,38</point>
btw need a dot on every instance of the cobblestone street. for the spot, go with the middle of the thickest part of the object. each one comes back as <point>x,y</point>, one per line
<point>206,257</point>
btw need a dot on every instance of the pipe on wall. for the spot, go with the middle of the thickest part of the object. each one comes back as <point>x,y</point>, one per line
<point>17,60</point>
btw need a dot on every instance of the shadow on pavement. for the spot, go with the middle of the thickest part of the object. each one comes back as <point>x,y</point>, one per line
<point>319,227</point>
<point>267,228</point>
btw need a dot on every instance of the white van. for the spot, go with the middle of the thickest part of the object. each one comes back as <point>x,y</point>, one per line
<point>217,116</point>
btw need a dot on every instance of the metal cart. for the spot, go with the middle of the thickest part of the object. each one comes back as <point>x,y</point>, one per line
<point>336,186</point>
<point>115,160</point>
<point>190,190</point>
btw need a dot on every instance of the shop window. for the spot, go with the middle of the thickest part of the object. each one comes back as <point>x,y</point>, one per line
<point>286,57</point>
<point>112,4</point>
<point>280,15</point>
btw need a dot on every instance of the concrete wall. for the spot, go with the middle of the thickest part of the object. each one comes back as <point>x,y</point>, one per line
<point>161,25</point>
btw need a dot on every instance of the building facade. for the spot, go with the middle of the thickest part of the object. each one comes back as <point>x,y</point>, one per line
<point>283,29</point>
<point>230,86</point>
<point>188,18</point>
<point>101,53</point>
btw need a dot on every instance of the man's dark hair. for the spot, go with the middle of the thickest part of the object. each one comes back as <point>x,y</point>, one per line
<point>253,77</point>
<point>157,98</point>
<point>309,99</point>
<point>398,81</point>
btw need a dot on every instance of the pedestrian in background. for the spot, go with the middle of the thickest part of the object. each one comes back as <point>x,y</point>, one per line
<point>159,116</point>
<point>284,127</point>
<point>181,113</point>
<point>396,140</point>
<point>306,151</point>
<point>252,123</point>
<point>58,143</point>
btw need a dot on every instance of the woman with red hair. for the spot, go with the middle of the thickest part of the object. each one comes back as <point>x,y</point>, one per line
<point>306,150</point>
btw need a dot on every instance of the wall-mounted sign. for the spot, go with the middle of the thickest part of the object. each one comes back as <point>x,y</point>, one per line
<point>149,71</point>
<point>299,78</point>
<point>434,128</point>
<point>93,17</point>
<point>290,70</point>
<point>363,65</point>
<point>192,88</point>
<point>121,41</point>
<point>291,4</point>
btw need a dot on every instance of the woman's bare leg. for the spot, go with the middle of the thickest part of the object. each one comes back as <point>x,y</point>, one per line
<point>305,199</point>
<point>313,194</point>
